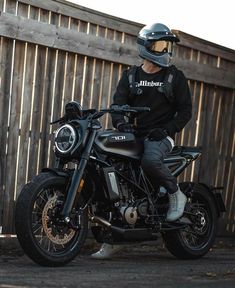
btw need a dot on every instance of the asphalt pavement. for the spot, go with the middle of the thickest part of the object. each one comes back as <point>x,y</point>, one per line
<point>144,265</point>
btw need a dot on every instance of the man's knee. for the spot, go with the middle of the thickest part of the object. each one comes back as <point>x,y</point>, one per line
<point>150,163</point>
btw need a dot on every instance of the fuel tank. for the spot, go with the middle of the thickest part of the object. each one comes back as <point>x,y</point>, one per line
<point>119,144</point>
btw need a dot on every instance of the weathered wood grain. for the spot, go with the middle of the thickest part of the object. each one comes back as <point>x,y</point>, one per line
<point>102,48</point>
<point>87,15</point>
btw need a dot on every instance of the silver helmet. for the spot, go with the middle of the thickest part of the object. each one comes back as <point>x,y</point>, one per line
<point>155,43</point>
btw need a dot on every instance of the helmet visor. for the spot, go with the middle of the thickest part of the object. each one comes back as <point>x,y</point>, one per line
<point>161,46</point>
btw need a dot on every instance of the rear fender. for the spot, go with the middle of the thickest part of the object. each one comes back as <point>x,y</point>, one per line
<point>217,197</point>
<point>187,187</point>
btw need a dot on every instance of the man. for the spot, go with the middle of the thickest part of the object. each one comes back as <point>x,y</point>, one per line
<point>163,88</point>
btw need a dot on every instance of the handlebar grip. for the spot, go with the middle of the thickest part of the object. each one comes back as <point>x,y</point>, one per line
<point>125,109</point>
<point>141,109</point>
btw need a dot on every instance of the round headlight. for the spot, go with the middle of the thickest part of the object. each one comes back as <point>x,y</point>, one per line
<point>65,138</point>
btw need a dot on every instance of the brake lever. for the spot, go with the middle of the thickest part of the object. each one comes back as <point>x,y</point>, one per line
<point>98,114</point>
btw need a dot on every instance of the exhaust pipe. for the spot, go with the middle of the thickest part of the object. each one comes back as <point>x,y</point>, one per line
<point>101,221</point>
<point>120,234</point>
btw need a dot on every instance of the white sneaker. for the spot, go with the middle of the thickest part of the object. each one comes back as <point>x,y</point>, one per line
<point>177,203</point>
<point>106,251</point>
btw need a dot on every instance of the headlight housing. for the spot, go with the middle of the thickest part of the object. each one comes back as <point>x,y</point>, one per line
<point>67,139</point>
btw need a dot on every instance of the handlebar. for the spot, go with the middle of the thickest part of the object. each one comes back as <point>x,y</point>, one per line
<point>94,114</point>
<point>125,109</point>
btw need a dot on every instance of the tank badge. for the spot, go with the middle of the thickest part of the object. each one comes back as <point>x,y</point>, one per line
<point>119,138</point>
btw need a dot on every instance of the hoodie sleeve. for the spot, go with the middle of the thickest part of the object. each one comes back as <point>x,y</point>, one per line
<point>183,105</point>
<point>120,97</point>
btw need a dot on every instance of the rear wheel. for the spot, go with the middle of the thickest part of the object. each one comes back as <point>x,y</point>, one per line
<point>196,239</point>
<point>43,236</point>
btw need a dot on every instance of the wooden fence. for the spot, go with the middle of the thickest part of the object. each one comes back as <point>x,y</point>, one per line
<point>55,51</point>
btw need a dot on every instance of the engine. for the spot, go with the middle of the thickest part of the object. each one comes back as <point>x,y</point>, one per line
<point>131,206</point>
<point>127,206</point>
<point>133,213</point>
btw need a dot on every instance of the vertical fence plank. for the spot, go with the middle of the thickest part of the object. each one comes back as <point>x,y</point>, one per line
<point>46,105</point>
<point>229,164</point>
<point>11,6</point>
<point>56,102</point>
<point>80,62</point>
<point>5,90</point>
<point>194,124</point>
<point>34,13</point>
<point>105,90</point>
<point>96,84</point>
<point>40,110</point>
<point>13,139</point>
<point>37,112</point>
<point>7,50</point>
<point>69,79</point>
<point>1,5</point>
<point>23,10</point>
<point>231,186</point>
<point>87,82</point>
<point>89,72</point>
<point>26,106</point>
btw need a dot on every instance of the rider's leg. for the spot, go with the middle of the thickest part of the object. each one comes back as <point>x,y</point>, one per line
<point>152,163</point>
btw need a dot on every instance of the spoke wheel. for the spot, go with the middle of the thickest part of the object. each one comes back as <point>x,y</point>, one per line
<point>197,238</point>
<point>196,235</point>
<point>51,235</point>
<point>43,235</point>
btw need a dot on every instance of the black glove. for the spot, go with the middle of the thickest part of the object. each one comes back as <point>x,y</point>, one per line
<point>125,127</point>
<point>157,134</point>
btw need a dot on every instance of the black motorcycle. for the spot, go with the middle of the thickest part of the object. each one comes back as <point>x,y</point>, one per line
<point>98,179</point>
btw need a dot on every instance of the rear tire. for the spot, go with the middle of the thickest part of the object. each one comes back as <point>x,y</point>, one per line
<point>43,238</point>
<point>196,240</point>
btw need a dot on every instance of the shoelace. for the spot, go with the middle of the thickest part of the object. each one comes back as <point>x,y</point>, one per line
<point>173,202</point>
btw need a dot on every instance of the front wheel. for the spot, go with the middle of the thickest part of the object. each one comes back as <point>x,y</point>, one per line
<point>43,236</point>
<point>196,239</point>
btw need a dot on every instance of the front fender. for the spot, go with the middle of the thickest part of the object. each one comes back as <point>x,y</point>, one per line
<point>57,172</point>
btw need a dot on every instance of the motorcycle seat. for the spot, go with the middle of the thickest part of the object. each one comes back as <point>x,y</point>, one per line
<point>179,150</point>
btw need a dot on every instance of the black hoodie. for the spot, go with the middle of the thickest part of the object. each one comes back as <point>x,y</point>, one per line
<point>170,116</point>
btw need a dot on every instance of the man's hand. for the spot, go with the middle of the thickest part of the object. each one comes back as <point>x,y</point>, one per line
<point>125,127</point>
<point>157,134</point>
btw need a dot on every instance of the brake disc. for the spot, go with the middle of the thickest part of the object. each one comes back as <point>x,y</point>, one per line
<point>52,232</point>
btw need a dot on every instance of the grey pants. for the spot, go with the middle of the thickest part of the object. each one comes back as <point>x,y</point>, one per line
<point>153,166</point>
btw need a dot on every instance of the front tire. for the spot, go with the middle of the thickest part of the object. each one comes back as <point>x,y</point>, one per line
<point>45,239</point>
<point>195,241</point>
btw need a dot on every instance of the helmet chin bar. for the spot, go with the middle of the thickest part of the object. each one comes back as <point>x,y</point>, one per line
<point>162,60</point>
<point>155,64</point>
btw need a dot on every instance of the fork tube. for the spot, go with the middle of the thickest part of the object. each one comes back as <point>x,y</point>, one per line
<point>77,176</point>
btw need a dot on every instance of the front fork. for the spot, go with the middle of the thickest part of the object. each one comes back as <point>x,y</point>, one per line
<point>77,177</point>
